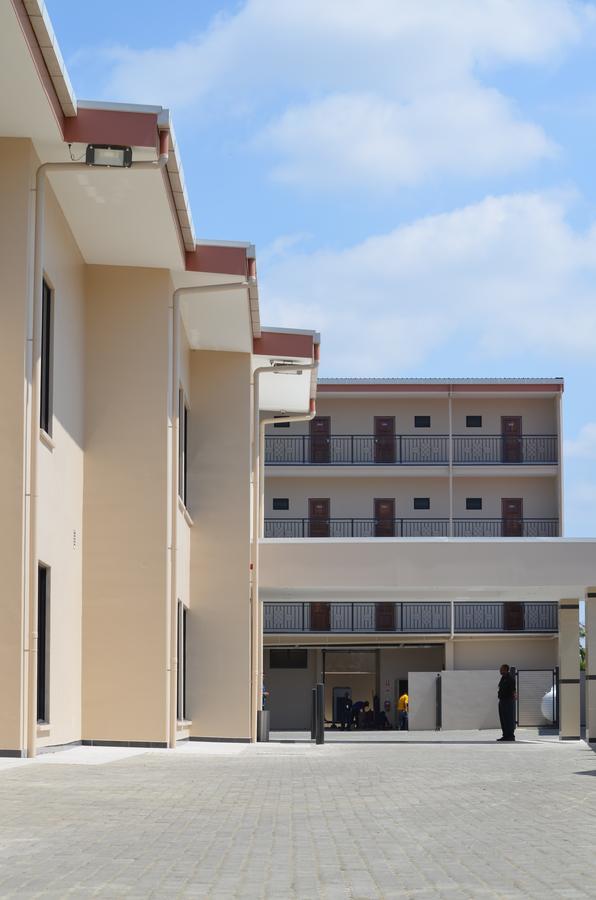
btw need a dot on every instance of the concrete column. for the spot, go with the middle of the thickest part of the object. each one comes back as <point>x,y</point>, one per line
<point>569,723</point>
<point>449,655</point>
<point>591,665</point>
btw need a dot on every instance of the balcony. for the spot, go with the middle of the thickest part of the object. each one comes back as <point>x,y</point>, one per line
<point>410,618</point>
<point>409,528</point>
<point>409,450</point>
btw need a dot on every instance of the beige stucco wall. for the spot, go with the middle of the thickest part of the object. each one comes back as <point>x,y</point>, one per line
<point>354,497</point>
<point>60,480</point>
<point>125,510</point>
<point>355,415</point>
<point>290,694</point>
<point>525,653</point>
<point>219,502</point>
<point>16,161</point>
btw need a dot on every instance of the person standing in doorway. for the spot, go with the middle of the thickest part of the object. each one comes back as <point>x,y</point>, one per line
<point>507,697</point>
<point>402,711</point>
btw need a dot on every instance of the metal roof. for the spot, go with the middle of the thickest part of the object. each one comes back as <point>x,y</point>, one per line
<point>554,380</point>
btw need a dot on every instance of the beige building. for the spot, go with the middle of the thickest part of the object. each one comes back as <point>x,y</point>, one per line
<point>431,469</point>
<point>129,356</point>
<point>137,381</point>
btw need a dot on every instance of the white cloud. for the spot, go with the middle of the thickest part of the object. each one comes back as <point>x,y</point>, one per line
<point>382,92</point>
<point>506,280</point>
<point>584,445</point>
<point>366,139</point>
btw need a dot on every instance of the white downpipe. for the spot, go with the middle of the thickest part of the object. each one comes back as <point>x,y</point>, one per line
<point>450,401</point>
<point>172,614</point>
<point>256,638</point>
<point>32,419</point>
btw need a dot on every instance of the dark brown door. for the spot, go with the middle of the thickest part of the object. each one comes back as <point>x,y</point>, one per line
<point>385,439</point>
<point>320,439</point>
<point>511,436</point>
<point>318,515</point>
<point>320,617</point>
<point>385,517</point>
<point>512,512</point>
<point>513,616</point>
<point>385,616</point>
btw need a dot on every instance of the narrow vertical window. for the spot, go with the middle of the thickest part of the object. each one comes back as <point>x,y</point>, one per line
<point>181,653</point>
<point>47,340</point>
<point>182,447</point>
<point>43,656</point>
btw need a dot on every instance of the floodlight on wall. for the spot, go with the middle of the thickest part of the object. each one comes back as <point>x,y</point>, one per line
<point>109,155</point>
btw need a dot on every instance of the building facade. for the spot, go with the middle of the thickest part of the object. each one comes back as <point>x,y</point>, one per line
<point>128,351</point>
<point>411,461</point>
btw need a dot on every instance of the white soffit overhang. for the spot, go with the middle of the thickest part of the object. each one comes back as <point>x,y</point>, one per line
<point>219,320</point>
<point>120,217</point>
<point>24,108</point>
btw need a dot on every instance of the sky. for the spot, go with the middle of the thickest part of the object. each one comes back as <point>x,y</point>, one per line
<point>418,178</point>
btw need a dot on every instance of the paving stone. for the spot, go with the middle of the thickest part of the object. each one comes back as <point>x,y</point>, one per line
<point>350,821</point>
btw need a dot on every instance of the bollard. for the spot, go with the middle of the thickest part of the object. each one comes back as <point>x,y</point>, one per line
<point>313,715</point>
<point>320,707</point>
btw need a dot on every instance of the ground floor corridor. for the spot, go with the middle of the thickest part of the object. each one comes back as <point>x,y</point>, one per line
<point>464,818</point>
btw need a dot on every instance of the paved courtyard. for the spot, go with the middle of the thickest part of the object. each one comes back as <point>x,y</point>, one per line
<point>461,818</point>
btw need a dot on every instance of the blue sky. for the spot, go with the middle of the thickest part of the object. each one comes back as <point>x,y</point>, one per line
<point>419,179</point>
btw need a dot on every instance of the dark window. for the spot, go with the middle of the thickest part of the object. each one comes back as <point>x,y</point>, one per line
<point>182,447</point>
<point>43,655</point>
<point>421,421</point>
<point>513,616</point>
<point>421,502</point>
<point>288,659</point>
<point>281,424</point>
<point>281,503</point>
<point>473,421</point>
<point>47,341</point>
<point>181,653</point>
<point>473,502</point>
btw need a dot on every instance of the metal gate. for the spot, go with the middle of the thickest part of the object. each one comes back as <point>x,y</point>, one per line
<point>537,697</point>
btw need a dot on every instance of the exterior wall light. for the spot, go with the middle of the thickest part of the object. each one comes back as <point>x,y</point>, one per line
<point>108,155</point>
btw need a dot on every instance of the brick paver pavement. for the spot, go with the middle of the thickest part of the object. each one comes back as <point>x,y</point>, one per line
<point>451,820</point>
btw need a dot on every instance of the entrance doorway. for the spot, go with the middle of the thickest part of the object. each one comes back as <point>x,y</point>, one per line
<point>318,517</point>
<point>511,437</point>
<point>384,517</point>
<point>320,440</point>
<point>512,512</point>
<point>385,440</point>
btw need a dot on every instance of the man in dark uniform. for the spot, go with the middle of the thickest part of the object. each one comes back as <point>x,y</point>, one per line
<point>507,697</point>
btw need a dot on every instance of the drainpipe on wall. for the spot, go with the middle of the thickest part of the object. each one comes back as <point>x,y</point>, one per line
<point>256,642</point>
<point>450,401</point>
<point>33,357</point>
<point>172,605</point>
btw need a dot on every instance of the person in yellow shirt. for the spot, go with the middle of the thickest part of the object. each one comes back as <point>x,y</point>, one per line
<point>402,711</point>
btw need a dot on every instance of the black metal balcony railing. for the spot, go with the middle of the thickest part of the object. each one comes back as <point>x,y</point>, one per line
<point>367,528</point>
<point>409,618</point>
<point>409,450</point>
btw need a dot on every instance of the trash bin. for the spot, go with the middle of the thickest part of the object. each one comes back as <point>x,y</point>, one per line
<point>263,725</point>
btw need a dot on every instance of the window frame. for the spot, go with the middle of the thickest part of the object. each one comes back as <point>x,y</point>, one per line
<point>469,500</point>
<point>182,447</point>
<point>477,424</point>
<point>43,644</point>
<point>276,501</point>
<point>181,653</point>
<point>419,424</point>
<point>417,503</point>
<point>287,651</point>
<point>46,359</point>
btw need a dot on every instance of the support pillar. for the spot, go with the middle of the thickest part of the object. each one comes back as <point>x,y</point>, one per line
<point>449,655</point>
<point>569,716</point>
<point>591,666</point>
